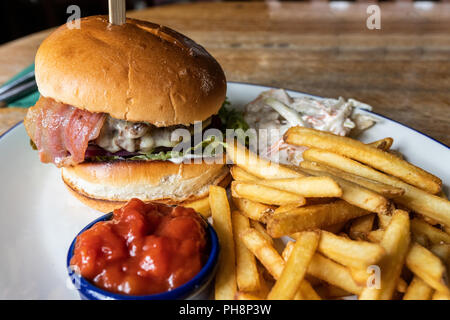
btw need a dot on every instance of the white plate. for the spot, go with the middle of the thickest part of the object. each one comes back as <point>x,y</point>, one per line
<point>39,218</point>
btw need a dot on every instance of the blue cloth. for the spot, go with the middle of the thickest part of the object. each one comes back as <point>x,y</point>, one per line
<point>28,100</point>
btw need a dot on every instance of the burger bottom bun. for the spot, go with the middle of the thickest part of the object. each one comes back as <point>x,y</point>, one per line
<point>109,185</point>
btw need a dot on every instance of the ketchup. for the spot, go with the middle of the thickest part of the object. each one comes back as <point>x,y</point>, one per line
<point>144,249</point>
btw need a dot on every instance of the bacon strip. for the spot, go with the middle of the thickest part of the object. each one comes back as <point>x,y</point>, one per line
<point>62,132</point>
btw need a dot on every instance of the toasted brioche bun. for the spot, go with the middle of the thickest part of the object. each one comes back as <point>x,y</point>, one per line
<point>106,186</point>
<point>138,71</point>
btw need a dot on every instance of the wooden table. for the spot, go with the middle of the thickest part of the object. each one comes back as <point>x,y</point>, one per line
<point>402,70</point>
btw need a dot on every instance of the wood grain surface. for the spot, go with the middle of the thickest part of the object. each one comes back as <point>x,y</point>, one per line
<point>402,70</point>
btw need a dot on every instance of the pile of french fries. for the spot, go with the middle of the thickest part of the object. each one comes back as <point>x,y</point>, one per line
<point>353,220</point>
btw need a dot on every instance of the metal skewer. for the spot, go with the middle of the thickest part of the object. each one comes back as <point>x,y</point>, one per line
<point>117,12</point>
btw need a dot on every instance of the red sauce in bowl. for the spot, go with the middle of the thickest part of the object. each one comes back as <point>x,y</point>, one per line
<point>144,249</point>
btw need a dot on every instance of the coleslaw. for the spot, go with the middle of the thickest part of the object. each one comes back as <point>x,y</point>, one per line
<point>274,111</point>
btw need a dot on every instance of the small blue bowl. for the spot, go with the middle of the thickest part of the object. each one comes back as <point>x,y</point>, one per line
<point>196,288</point>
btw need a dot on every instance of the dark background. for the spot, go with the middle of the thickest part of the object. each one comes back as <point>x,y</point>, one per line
<point>19,18</point>
<point>22,17</point>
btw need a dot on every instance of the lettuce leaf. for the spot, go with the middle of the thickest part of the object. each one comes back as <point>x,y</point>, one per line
<point>163,155</point>
<point>232,118</point>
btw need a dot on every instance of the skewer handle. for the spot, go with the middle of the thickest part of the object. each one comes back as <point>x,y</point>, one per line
<point>117,11</point>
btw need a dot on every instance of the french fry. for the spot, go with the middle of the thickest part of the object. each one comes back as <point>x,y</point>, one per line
<point>289,201</point>
<point>295,269</point>
<point>395,242</point>
<point>312,201</point>
<point>383,189</point>
<point>264,194</point>
<point>258,167</point>
<point>272,261</point>
<point>396,153</point>
<point>375,235</point>
<point>309,201</point>
<point>439,295</point>
<point>240,174</point>
<point>424,264</point>
<point>307,186</point>
<point>434,235</point>
<point>286,208</point>
<point>311,217</point>
<point>265,286</point>
<point>333,273</point>
<point>353,193</point>
<point>307,291</point>
<point>421,239</point>
<point>201,206</point>
<point>414,198</point>
<point>264,251</point>
<point>418,290</point>
<point>350,253</point>
<point>328,291</point>
<point>298,296</point>
<point>401,285</point>
<point>360,227</point>
<point>287,250</point>
<point>246,296</point>
<point>427,219</point>
<point>258,226</point>
<point>357,150</point>
<point>247,275</point>
<point>382,144</point>
<point>360,276</point>
<point>225,286</point>
<point>251,209</point>
<point>442,251</point>
<point>384,220</point>
<point>429,205</point>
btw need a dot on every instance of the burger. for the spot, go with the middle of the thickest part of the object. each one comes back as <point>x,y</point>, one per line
<point>111,98</point>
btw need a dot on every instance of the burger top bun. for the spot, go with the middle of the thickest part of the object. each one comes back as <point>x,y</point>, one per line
<point>138,71</point>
